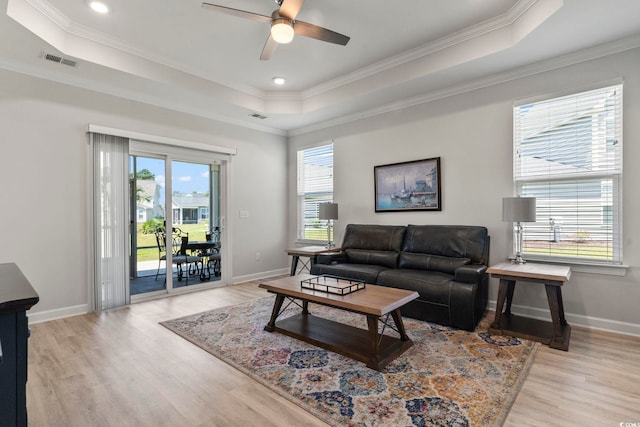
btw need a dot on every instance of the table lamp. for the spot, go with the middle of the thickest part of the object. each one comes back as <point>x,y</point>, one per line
<point>328,211</point>
<point>518,210</point>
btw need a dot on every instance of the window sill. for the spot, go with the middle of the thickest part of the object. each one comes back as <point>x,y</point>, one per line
<point>589,268</point>
<point>311,242</point>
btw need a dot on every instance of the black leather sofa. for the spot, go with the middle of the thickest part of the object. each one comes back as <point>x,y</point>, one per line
<point>445,264</point>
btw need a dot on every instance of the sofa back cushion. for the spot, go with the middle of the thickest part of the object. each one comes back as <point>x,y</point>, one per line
<point>365,256</point>
<point>431,262</point>
<point>373,237</point>
<point>450,241</point>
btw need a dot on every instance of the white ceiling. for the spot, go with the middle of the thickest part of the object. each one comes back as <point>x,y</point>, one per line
<point>175,54</point>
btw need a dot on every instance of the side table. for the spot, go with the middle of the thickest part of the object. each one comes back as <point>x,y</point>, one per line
<point>310,252</point>
<point>555,334</point>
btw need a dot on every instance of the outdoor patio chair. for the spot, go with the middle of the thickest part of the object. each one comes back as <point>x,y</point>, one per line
<point>187,265</point>
<point>214,261</point>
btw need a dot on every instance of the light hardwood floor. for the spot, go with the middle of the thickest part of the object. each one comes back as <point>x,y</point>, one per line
<point>121,368</point>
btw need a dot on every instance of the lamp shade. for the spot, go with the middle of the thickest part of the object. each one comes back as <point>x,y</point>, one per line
<point>328,211</point>
<point>519,209</point>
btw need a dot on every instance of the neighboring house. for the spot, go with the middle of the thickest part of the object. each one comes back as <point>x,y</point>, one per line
<point>148,203</point>
<point>190,208</point>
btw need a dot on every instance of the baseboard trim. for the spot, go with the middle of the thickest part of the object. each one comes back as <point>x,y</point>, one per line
<point>588,322</point>
<point>258,276</point>
<point>59,313</point>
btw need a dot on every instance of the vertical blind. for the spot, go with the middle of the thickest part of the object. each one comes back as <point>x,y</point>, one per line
<point>315,185</point>
<point>568,155</point>
<point>110,220</point>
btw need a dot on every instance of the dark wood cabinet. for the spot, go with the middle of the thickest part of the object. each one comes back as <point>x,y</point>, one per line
<point>16,297</point>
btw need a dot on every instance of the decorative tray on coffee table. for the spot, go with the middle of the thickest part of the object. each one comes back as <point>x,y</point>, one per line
<point>333,285</point>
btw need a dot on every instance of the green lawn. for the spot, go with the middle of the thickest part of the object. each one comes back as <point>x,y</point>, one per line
<point>196,232</point>
<point>573,250</point>
<point>316,234</point>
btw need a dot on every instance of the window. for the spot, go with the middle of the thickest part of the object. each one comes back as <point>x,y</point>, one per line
<point>204,214</point>
<point>315,185</point>
<point>568,155</point>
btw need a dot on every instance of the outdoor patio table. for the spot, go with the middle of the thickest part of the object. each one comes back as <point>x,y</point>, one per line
<point>203,249</point>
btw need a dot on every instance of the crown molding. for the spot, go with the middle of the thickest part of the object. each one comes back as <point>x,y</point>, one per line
<point>519,15</point>
<point>507,19</point>
<point>584,55</point>
<point>283,96</point>
<point>51,12</point>
<point>111,90</point>
<point>87,33</point>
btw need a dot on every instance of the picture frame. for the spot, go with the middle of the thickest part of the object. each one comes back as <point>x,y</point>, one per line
<point>408,186</point>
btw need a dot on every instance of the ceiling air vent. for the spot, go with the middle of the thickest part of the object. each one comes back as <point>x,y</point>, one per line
<point>59,59</point>
<point>257,116</point>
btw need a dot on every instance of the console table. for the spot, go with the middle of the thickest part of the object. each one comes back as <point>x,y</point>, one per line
<point>310,252</point>
<point>555,334</point>
<point>16,297</point>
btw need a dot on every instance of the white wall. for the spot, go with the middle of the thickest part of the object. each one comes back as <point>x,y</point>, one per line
<point>472,134</point>
<point>44,193</point>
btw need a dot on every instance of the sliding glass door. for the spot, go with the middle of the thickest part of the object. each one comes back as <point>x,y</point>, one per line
<point>195,213</point>
<point>147,219</point>
<point>170,192</point>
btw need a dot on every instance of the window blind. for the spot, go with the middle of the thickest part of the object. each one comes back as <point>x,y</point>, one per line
<point>110,221</point>
<point>315,185</point>
<point>568,155</point>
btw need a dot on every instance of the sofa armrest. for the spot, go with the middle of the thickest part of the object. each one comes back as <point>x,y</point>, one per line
<point>331,258</point>
<point>470,273</point>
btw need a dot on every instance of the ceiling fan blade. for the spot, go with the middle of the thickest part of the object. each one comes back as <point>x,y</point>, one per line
<point>237,12</point>
<point>268,49</point>
<point>290,8</point>
<point>319,33</point>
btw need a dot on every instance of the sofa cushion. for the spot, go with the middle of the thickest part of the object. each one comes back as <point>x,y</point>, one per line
<point>365,272</point>
<point>373,237</point>
<point>457,241</point>
<point>432,286</point>
<point>364,256</point>
<point>431,262</point>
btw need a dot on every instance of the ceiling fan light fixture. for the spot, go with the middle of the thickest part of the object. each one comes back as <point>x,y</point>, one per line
<point>282,30</point>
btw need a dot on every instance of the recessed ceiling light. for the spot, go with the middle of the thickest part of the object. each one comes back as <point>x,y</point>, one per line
<point>279,80</point>
<point>99,7</point>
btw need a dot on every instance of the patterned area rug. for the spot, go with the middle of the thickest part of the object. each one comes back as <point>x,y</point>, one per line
<point>449,377</point>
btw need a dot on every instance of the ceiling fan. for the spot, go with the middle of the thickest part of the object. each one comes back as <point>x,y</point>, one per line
<point>283,25</point>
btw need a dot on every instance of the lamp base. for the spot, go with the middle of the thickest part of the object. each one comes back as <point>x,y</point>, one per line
<point>329,242</point>
<point>517,259</point>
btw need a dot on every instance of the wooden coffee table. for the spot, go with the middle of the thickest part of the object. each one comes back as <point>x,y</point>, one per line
<point>374,302</point>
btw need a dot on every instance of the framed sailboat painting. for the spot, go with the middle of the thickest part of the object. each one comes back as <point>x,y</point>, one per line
<point>408,186</point>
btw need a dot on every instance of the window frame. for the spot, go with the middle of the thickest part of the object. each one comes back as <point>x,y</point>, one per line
<point>524,178</point>
<point>304,206</point>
